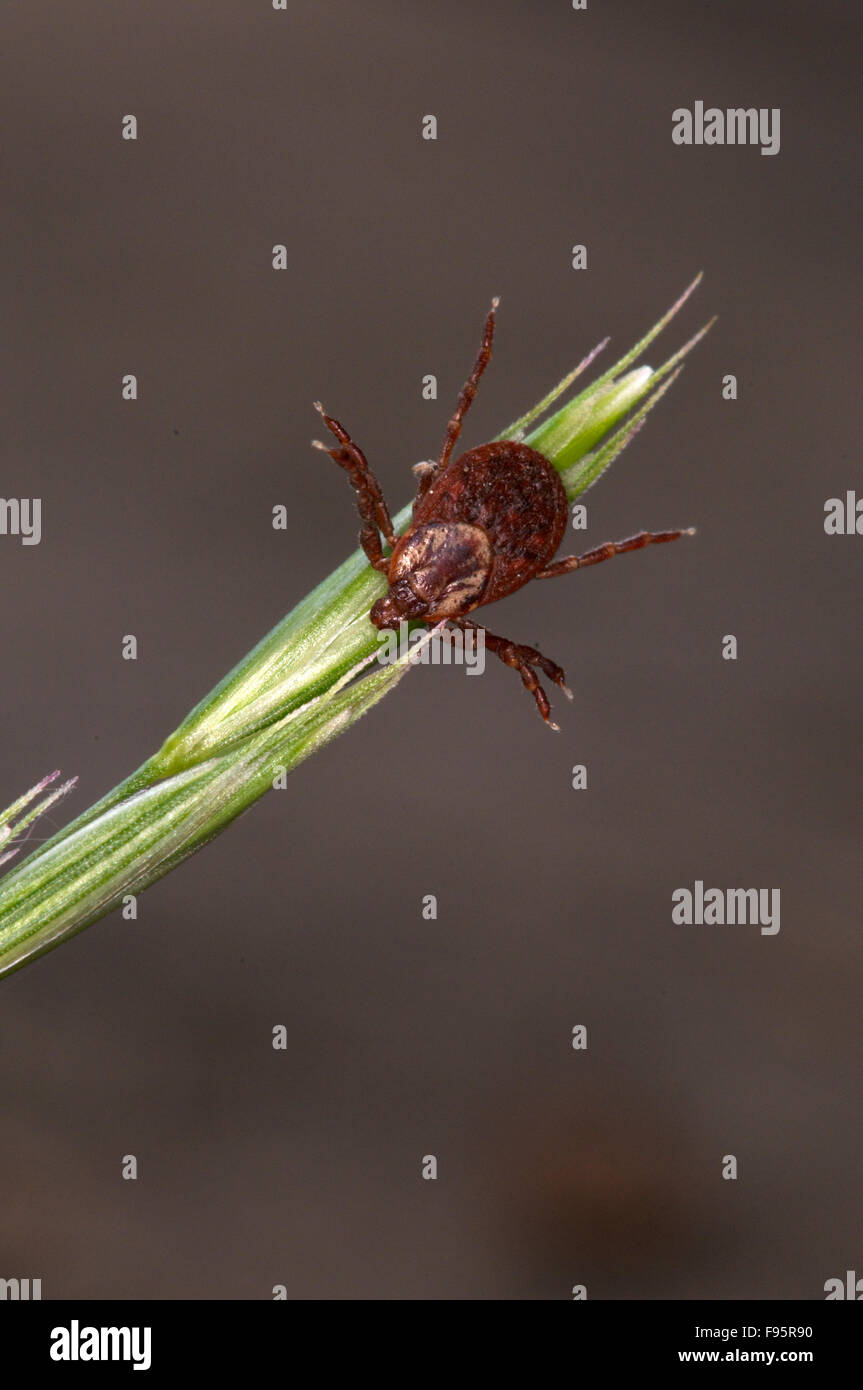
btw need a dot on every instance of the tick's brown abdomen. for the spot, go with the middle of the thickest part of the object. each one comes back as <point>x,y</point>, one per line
<point>515,495</point>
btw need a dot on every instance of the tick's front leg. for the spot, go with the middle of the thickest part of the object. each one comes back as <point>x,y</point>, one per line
<point>468,391</point>
<point>373,510</point>
<point>523,659</point>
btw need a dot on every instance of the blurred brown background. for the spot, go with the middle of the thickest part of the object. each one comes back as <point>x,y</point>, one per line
<point>407,1037</point>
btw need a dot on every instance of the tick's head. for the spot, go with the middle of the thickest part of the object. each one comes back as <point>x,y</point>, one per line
<point>438,570</point>
<point>389,611</point>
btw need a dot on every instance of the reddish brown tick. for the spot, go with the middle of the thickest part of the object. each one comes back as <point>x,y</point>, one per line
<point>483,525</point>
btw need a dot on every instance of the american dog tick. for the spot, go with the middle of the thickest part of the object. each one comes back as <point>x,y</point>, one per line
<point>483,525</point>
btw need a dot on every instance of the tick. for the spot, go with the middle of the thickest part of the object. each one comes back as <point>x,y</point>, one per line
<point>483,525</point>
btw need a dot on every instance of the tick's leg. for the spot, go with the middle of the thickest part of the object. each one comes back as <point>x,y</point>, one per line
<point>370,536</point>
<point>466,395</point>
<point>522,659</point>
<point>605,552</point>
<point>373,510</point>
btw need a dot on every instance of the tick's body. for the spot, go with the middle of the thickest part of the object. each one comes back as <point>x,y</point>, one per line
<point>488,521</point>
<point>483,525</point>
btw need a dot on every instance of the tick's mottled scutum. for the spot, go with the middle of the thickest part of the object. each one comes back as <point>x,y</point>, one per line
<point>483,525</point>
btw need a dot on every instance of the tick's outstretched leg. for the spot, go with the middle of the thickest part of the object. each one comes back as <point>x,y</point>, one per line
<point>522,659</point>
<point>468,391</point>
<point>373,510</point>
<point>466,395</point>
<point>605,552</point>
